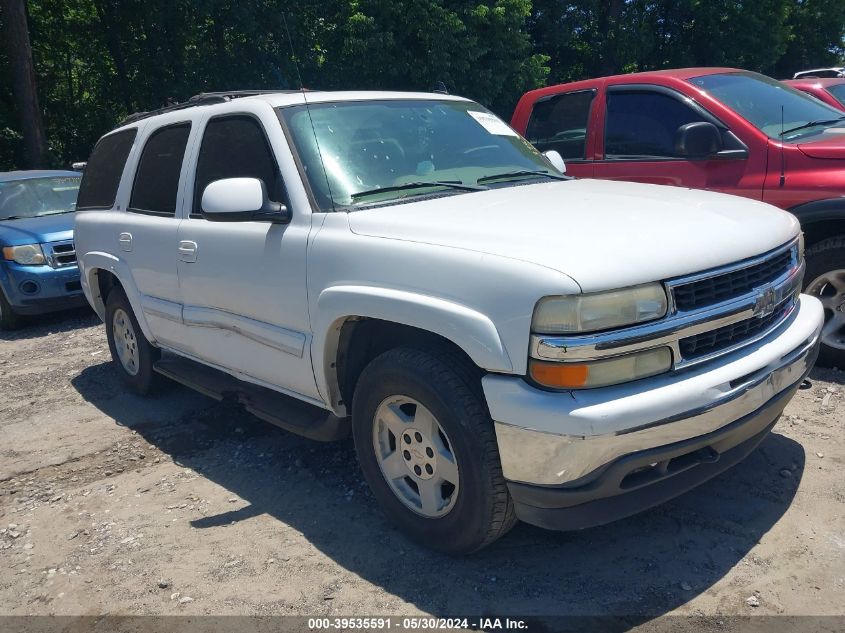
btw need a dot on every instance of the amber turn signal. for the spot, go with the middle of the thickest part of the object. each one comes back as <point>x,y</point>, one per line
<point>601,373</point>
<point>559,375</point>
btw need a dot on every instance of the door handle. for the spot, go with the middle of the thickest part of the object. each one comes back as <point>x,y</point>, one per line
<point>188,251</point>
<point>125,240</point>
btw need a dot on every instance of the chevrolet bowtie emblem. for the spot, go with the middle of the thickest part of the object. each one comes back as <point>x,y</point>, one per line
<point>765,303</point>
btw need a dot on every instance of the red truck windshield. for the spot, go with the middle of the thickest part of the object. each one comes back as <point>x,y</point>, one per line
<point>771,106</point>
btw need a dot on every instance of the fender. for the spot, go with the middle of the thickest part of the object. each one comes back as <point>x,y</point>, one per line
<point>470,330</point>
<point>90,264</point>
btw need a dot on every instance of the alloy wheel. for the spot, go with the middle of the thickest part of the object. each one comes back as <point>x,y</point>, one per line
<point>125,342</point>
<point>830,290</point>
<point>415,456</point>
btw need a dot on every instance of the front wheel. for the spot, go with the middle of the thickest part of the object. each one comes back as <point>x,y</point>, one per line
<point>131,352</point>
<point>428,450</point>
<point>826,280</point>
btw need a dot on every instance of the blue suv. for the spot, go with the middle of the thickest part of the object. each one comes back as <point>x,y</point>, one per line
<point>38,271</point>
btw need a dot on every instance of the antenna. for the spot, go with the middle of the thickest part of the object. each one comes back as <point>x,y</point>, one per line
<point>308,110</point>
<point>782,158</point>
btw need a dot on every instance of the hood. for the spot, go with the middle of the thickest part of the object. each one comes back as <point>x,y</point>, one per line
<point>830,144</point>
<point>603,234</point>
<point>48,228</point>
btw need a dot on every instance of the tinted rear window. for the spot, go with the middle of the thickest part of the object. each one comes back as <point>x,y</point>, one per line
<point>157,178</point>
<point>560,123</point>
<point>102,174</point>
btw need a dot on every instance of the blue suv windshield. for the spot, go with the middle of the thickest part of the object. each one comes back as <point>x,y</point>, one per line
<point>372,152</point>
<point>761,100</point>
<point>34,197</point>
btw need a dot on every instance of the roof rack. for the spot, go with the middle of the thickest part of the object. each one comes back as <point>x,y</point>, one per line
<point>202,99</point>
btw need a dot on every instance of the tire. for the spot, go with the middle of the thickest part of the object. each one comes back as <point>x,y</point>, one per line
<point>132,354</point>
<point>825,279</point>
<point>9,320</point>
<point>469,513</point>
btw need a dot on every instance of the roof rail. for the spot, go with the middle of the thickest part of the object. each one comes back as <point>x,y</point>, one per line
<point>204,98</point>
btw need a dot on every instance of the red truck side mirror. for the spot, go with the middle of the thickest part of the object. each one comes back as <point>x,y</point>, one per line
<point>698,140</point>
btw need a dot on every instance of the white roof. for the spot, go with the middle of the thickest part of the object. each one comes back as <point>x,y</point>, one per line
<point>282,99</point>
<point>296,98</point>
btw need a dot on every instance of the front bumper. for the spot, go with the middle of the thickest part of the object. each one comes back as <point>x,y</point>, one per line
<point>40,289</point>
<point>582,458</point>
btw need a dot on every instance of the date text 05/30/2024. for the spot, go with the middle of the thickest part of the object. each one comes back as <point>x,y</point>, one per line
<point>416,623</point>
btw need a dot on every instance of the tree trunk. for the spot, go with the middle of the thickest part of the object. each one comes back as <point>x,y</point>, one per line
<point>24,87</point>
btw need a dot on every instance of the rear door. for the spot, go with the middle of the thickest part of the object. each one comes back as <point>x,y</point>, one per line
<point>147,231</point>
<point>243,283</point>
<point>638,141</point>
<point>561,122</point>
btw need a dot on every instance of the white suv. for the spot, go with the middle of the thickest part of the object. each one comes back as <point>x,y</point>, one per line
<point>501,341</point>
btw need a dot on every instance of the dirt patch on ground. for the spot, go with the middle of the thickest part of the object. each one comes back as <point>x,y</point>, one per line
<point>111,503</point>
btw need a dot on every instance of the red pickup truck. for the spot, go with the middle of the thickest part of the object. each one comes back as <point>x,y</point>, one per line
<point>722,129</point>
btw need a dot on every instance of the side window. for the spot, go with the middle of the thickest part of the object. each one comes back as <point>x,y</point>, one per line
<point>643,124</point>
<point>560,123</point>
<point>105,167</point>
<point>236,147</point>
<point>157,178</point>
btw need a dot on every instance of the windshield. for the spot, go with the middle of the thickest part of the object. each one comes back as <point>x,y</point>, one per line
<point>759,99</point>
<point>34,197</point>
<point>407,148</point>
<point>838,91</point>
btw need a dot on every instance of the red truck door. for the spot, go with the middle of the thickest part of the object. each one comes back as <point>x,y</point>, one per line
<point>638,141</point>
<point>560,122</point>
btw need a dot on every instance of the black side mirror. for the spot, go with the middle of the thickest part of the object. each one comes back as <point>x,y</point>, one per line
<point>698,140</point>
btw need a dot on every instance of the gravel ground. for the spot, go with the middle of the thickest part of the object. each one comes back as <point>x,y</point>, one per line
<point>175,504</point>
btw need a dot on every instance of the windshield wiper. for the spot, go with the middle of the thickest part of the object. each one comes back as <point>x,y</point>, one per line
<point>811,124</point>
<point>12,217</point>
<point>451,184</point>
<point>39,215</point>
<point>521,173</point>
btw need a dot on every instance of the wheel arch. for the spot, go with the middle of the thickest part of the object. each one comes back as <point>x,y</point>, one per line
<point>357,323</point>
<point>821,219</point>
<point>100,274</point>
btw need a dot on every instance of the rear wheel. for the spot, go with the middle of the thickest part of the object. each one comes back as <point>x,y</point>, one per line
<point>826,280</point>
<point>428,450</point>
<point>9,320</point>
<point>131,352</point>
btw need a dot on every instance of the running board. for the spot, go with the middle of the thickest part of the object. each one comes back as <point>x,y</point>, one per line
<point>271,406</point>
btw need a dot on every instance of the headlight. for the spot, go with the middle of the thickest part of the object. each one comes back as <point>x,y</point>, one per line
<point>599,310</point>
<point>601,373</point>
<point>27,255</point>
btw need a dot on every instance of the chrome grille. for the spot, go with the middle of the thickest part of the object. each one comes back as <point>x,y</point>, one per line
<point>60,254</point>
<point>730,336</point>
<point>724,287</point>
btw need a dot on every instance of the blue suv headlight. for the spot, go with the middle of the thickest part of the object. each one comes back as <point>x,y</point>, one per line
<point>26,255</point>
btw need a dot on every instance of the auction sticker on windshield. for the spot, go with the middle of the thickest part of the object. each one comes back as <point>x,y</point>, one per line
<point>491,123</point>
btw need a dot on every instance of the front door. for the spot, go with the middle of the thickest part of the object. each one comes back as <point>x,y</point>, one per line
<point>639,140</point>
<point>243,283</point>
